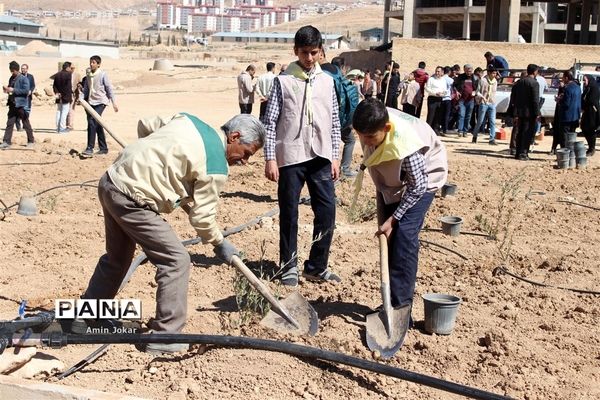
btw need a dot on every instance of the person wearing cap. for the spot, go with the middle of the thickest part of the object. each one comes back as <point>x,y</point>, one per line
<point>178,161</point>
<point>498,62</point>
<point>487,104</point>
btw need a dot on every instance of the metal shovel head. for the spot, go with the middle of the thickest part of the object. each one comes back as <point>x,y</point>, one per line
<point>299,308</point>
<point>379,339</point>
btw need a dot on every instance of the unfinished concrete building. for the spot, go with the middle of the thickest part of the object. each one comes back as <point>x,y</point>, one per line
<point>497,20</point>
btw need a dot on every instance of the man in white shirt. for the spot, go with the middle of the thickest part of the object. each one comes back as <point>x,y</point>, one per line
<point>436,88</point>
<point>263,87</point>
<point>543,86</point>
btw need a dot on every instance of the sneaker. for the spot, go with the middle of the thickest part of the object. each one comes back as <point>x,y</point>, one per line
<point>88,152</point>
<point>162,348</point>
<point>101,152</point>
<point>290,277</point>
<point>493,143</point>
<point>4,145</point>
<point>325,276</point>
<point>460,134</point>
<point>30,145</point>
<point>67,130</point>
<point>349,174</point>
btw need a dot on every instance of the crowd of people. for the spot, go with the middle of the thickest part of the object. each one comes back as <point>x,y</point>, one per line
<point>463,100</point>
<point>95,88</point>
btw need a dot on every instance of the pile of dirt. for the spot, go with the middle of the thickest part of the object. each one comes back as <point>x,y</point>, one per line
<point>35,48</point>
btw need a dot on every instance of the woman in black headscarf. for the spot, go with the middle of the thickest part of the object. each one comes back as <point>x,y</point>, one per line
<point>590,119</point>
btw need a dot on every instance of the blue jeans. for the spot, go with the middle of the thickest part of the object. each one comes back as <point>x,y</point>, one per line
<point>490,111</point>
<point>403,249</point>
<point>317,175</point>
<point>465,109</point>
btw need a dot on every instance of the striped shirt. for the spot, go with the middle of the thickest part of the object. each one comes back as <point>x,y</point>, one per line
<point>274,107</point>
<point>416,183</point>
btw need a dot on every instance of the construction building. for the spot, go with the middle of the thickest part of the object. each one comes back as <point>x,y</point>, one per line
<point>496,20</point>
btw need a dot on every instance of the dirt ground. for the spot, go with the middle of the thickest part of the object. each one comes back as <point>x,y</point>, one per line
<point>511,337</point>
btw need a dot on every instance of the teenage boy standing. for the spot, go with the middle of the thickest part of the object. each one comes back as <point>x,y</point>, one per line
<point>99,92</point>
<point>302,146</point>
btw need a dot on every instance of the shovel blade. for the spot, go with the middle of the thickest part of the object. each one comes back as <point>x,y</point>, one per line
<point>385,342</point>
<point>300,310</point>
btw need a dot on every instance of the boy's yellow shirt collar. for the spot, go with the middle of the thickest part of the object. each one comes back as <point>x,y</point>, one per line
<point>297,71</point>
<point>395,146</point>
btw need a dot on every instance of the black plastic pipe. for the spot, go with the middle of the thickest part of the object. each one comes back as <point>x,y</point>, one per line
<point>56,339</point>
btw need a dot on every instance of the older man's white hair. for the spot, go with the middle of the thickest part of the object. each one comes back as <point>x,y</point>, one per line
<point>250,128</point>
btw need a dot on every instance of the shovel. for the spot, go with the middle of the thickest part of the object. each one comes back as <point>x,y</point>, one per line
<point>291,315</point>
<point>387,328</point>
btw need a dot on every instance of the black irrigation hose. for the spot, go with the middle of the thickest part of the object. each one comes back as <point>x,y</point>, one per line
<point>579,204</point>
<point>59,340</point>
<point>507,272</point>
<point>443,247</point>
<point>80,185</point>
<point>3,210</point>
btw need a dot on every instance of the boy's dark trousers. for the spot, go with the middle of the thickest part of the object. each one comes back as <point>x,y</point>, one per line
<point>317,175</point>
<point>409,109</point>
<point>94,128</point>
<point>263,109</point>
<point>245,108</point>
<point>403,249</point>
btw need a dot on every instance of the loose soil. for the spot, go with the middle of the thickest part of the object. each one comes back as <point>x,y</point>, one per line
<point>512,338</point>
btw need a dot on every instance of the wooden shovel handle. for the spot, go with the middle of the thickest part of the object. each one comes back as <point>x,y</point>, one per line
<point>383,259</point>
<point>254,281</point>
<point>90,110</point>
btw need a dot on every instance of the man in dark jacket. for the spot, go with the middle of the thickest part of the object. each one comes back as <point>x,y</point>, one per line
<point>63,89</point>
<point>391,90</point>
<point>498,62</point>
<point>525,102</point>
<point>570,107</point>
<point>466,85</point>
<point>18,106</point>
<point>31,79</point>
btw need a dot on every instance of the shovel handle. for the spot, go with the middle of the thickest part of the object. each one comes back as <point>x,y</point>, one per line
<point>263,289</point>
<point>383,259</point>
<point>385,281</point>
<point>90,110</point>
